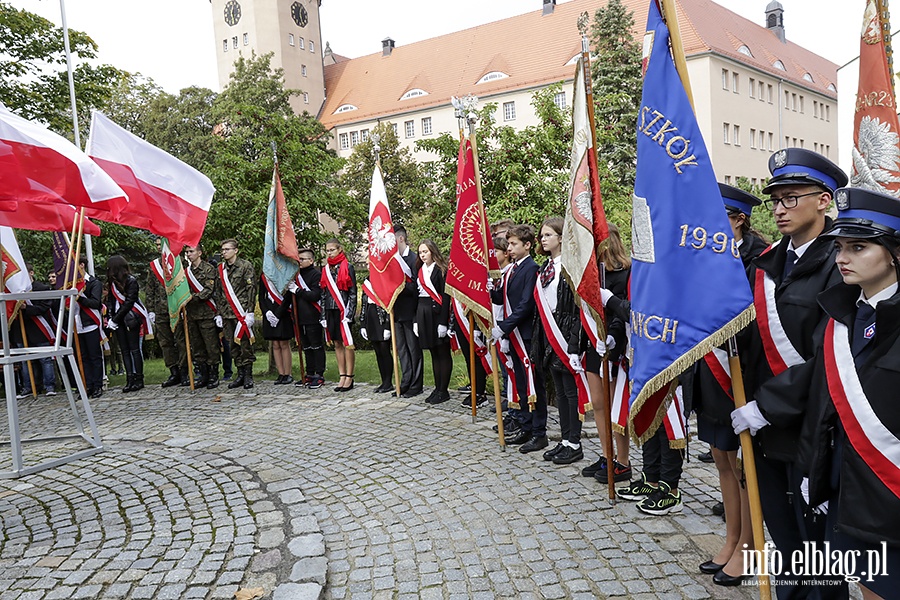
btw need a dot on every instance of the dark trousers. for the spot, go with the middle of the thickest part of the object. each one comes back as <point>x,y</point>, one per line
<point>480,374</point>
<point>130,343</point>
<point>662,463</point>
<point>533,421</point>
<point>226,354</point>
<point>410,356</point>
<point>442,365</point>
<point>385,362</point>
<point>313,339</point>
<point>241,353</point>
<point>204,341</point>
<point>171,342</point>
<point>91,359</point>
<point>567,402</point>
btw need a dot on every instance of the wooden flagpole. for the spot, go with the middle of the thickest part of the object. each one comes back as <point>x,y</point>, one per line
<point>472,364</point>
<point>28,362</point>
<point>394,349</point>
<point>187,345</point>
<point>737,381</point>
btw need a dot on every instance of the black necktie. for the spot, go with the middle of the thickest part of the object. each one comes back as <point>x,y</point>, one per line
<point>548,273</point>
<point>863,331</point>
<point>789,264</point>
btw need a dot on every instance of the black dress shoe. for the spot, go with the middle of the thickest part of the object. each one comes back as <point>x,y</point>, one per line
<point>718,509</point>
<point>519,437</point>
<point>411,394</point>
<point>439,397</point>
<point>509,426</point>
<point>568,455</point>
<point>549,454</point>
<point>706,457</point>
<point>534,444</point>
<point>384,387</point>
<point>724,579</point>
<point>710,568</point>
<point>394,393</point>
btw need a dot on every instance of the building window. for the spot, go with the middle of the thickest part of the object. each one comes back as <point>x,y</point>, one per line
<point>724,79</point>
<point>300,43</point>
<point>410,128</point>
<point>364,135</point>
<point>827,151</point>
<point>794,102</point>
<point>305,97</point>
<point>771,142</point>
<point>234,42</point>
<point>787,99</point>
<point>753,181</point>
<point>779,65</point>
<point>751,88</point>
<point>802,145</point>
<point>753,137</point>
<point>827,112</point>
<point>509,111</point>
<point>795,143</point>
<point>815,109</point>
<point>737,135</point>
<point>560,100</point>
<point>246,39</point>
<point>771,93</point>
<point>413,93</point>
<point>735,80</point>
<point>344,108</point>
<point>394,127</point>
<point>426,126</point>
<point>726,133</point>
<point>493,75</point>
<point>815,146</point>
<point>728,179</point>
<point>224,45</point>
<point>290,39</point>
<point>354,138</point>
<point>787,141</point>
<point>762,89</point>
<point>312,46</point>
<point>345,141</point>
<point>303,70</point>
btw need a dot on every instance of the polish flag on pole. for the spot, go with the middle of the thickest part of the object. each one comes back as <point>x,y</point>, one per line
<point>166,196</point>
<point>37,165</point>
<point>14,274</point>
<point>37,216</point>
<point>387,271</point>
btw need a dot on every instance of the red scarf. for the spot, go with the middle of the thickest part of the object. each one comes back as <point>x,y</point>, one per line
<point>344,282</point>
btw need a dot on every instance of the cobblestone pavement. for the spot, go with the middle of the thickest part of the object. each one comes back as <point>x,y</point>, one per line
<point>314,494</point>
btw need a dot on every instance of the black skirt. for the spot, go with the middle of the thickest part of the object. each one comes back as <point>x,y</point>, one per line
<point>283,331</point>
<point>427,324</point>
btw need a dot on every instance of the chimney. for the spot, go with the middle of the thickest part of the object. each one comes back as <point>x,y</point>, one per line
<point>387,46</point>
<point>775,19</point>
<point>549,5</point>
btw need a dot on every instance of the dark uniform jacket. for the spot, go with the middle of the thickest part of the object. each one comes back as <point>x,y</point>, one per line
<point>243,281</point>
<point>375,320</point>
<point>441,311</point>
<point>37,308</point>
<point>349,296</point>
<point>285,328</point>
<point>520,293</point>
<point>307,313</point>
<point>155,298</point>
<point>801,316</point>
<point>566,317</point>
<point>617,283</point>
<point>206,274</point>
<point>91,297</point>
<point>131,297</point>
<point>408,299</point>
<point>868,509</point>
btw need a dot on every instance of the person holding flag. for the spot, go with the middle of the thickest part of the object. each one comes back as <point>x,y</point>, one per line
<point>433,318</point>
<point>236,305</point>
<point>201,314</point>
<point>307,302</point>
<point>128,318</point>
<point>171,341</point>
<point>375,327</point>
<point>339,310</point>
<point>88,321</point>
<point>277,327</point>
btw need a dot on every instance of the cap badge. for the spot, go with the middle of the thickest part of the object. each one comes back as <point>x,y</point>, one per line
<point>780,159</point>
<point>842,199</point>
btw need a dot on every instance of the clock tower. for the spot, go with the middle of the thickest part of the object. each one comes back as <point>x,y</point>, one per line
<point>288,28</point>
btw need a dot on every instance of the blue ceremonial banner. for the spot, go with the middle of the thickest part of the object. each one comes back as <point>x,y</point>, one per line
<point>281,260</point>
<point>689,292</point>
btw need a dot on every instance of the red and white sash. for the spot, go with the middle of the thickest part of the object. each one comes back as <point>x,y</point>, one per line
<point>675,422</point>
<point>271,292</point>
<point>242,329</point>
<point>301,283</point>
<point>197,287</point>
<point>137,308</point>
<point>717,361</point>
<point>517,345</point>
<point>331,286</point>
<point>589,323</point>
<point>620,400</point>
<point>875,443</point>
<point>462,328</point>
<point>41,323</point>
<point>157,269</point>
<point>780,352</point>
<point>426,285</point>
<point>559,345</point>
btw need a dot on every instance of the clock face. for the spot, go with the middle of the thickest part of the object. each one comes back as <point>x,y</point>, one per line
<point>299,14</point>
<point>232,12</point>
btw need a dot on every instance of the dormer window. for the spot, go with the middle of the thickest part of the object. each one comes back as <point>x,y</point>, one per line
<point>492,76</point>
<point>344,108</point>
<point>779,65</point>
<point>831,88</point>
<point>413,93</point>
<point>808,77</point>
<point>744,49</point>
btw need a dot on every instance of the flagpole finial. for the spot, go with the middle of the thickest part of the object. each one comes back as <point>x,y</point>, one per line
<point>469,104</point>
<point>583,21</point>
<point>274,151</point>
<point>376,145</point>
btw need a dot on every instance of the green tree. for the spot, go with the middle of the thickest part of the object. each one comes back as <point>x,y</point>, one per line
<point>617,86</point>
<point>33,78</point>
<point>183,125</point>
<point>763,220</point>
<point>251,113</point>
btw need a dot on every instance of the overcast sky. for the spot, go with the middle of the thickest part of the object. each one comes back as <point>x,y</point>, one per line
<point>172,41</point>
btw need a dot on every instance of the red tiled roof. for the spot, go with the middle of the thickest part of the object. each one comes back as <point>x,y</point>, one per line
<point>533,49</point>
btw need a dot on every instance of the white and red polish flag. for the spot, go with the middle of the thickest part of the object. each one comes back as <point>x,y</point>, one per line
<point>37,165</point>
<point>387,271</point>
<point>167,196</point>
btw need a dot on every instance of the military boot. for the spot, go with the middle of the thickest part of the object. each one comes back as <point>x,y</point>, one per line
<point>174,377</point>
<point>213,371</point>
<point>248,377</point>
<point>138,383</point>
<point>185,377</point>
<point>204,377</point>
<point>129,384</point>
<point>238,381</point>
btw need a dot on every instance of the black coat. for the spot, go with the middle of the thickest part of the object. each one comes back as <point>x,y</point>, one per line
<point>408,299</point>
<point>131,297</point>
<point>374,319</point>
<point>567,318</point>
<point>285,328</point>
<point>521,298</point>
<point>801,316</point>
<point>348,296</point>
<point>868,509</point>
<point>305,301</point>
<point>91,297</point>
<point>28,313</point>
<point>617,283</point>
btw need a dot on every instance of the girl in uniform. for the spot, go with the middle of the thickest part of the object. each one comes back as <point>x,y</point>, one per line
<point>127,318</point>
<point>277,327</point>
<point>339,309</point>
<point>433,318</point>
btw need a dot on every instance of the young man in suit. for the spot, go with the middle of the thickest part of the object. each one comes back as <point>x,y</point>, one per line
<point>408,349</point>
<point>516,295</point>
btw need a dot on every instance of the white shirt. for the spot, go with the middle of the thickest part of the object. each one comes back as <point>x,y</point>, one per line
<point>882,295</point>
<point>801,250</point>
<point>426,272</point>
<point>549,292</point>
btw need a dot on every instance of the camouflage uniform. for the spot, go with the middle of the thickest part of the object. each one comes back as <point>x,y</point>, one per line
<point>243,281</point>
<point>171,343</point>
<point>201,317</point>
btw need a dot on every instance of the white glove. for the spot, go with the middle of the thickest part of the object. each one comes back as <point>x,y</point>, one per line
<point>416,329</point>
<point>479,338</point>
<point>821,509</point>
<point>218,320</point>
<point>272,319</point>
<point>250,319</point>
<point>387,334</point>
<point>442,331</point>
<point>490,285</point>
<point>610,342</point>
<point>323,323</point>
<point>605,295</point>
<point>504,346</point>
<point>364,333</point>
<point>496,333</point>
<point>575,363</point>
<point>601,348</point>
<point>748,417</point>
<point>345,320</point>
<point>292,287</point>
<point>152,317</point>
<point>113,325</point>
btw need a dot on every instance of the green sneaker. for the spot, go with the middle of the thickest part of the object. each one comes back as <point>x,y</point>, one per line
<point>662,501</point>
<point>636,490</point>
